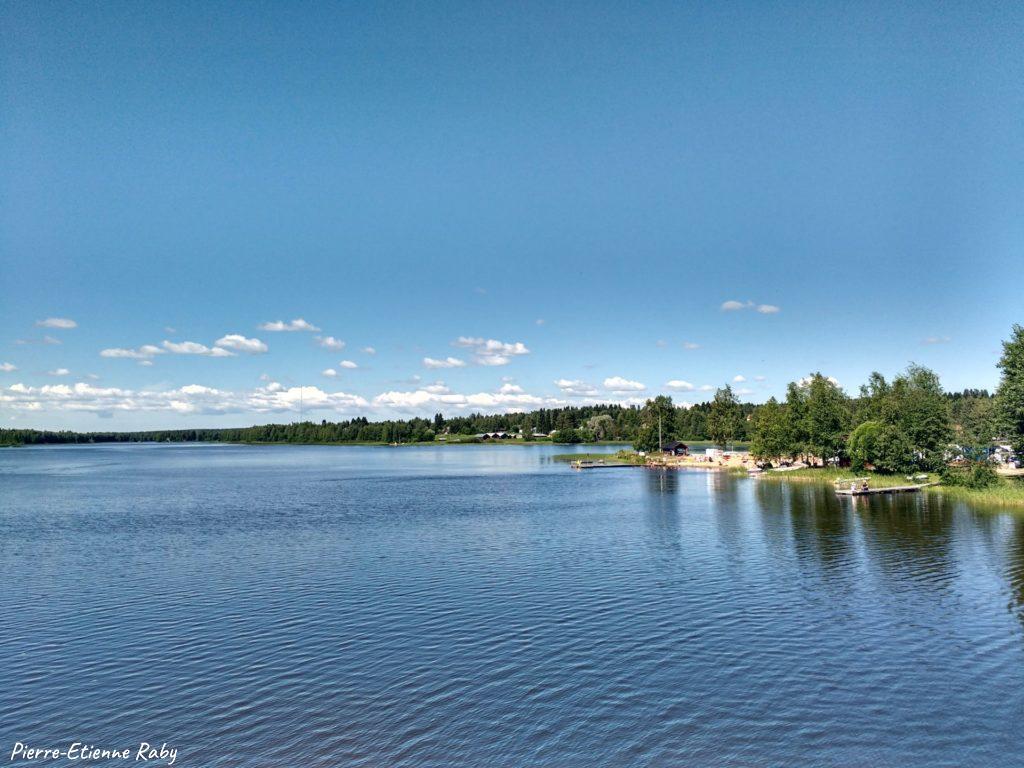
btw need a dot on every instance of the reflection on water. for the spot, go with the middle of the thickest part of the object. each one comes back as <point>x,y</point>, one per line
<point>488,606</point>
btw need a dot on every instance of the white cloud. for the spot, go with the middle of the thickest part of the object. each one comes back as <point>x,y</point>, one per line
<point>44,340</point>
<point>194,348</point>
<point>576,388</point>
<point>744,391</point>
<point>690,345</point>
<point>739,378</point>
<point>240,343</point>
<point>141,353</point>
<point>706,388</point>
<point>329,373</point>
<point>448,362</point>
<point>146,363</point>
<point>540,321</point>
<point>679,384</point>
<point>491,351</point>
<point>348,364</point>
<point>429,398</point>
<point>57,322</point>
<point>760,378</point>
<point>298,324</point>
<point>937,340</point>
<point>370,350</point>
<point>437,388</point>
<point>8,367</point>
<point>329,342</point>
<point>619,384</point>
<point>170,329</point>
<point>190,399</point>
<point>510,389</point>
<point>733,306</point>
<point>58,372</point>
<point>806,380</point>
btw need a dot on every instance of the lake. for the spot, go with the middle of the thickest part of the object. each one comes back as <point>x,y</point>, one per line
<point>486,606</point>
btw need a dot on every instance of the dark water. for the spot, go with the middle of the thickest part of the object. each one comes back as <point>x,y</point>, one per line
<point>483,606</point>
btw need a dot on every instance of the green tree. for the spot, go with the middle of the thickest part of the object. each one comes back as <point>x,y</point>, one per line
<point>660,412</point>
<point>602,426</point>
<point>647,438</point>
<point>881,446</point>
<point>1010,394</point>
<point>724,417</point>
<point>826,418</point>
<point>771,439</point>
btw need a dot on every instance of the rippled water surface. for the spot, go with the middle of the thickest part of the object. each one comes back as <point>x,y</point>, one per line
<point>484,606</point>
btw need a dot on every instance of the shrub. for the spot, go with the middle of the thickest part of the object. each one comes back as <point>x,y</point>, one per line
<point>976,474</point>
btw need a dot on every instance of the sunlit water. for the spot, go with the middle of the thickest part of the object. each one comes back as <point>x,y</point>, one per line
<point>485,606</point>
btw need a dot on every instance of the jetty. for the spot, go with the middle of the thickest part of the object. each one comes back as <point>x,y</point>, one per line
<point>599,464</point>
<point>860,486</point>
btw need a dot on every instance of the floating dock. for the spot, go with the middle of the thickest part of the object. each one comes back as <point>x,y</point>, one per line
<point>600,465</point>
<point>859,491</point>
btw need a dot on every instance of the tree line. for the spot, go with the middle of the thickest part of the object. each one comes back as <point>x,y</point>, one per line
<point>900,425</point>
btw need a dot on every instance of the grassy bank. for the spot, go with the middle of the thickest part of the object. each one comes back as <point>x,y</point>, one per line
<point>628,457</point>
<point>1008,492</point>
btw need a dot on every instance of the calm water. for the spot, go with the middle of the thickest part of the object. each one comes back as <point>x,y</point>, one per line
<point>483,606</point>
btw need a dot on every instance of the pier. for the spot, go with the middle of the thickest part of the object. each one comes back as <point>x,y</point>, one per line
<point>859,487</point>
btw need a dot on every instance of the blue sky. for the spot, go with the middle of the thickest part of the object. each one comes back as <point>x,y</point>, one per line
<point>584,185</point>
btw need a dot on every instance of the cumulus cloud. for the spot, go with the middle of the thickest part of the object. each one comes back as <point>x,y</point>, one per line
<point>298,324</point>
<point>429,398</point>
<point>194,348</point>
<point>57,322</point>
<point>8,367</point>
<point>144,352</point>
<point>739,378</point>
<point>619,384</point>
<point>448,362</point>
<point>576,388</point>
<point>370,350</point>
<point>706,388</point>
<point>58,372</point>
<point>936,340</point>
<point>240,343</point>
<point>190,399</point>
<point>348,364</point>
<point>329,342</point>
<point>510,389</point>
<point>329,373</point>
<point>680,385</point>
<point>735,306</point>
<point>491,351</point>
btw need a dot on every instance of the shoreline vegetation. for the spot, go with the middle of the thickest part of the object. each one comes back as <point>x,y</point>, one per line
<point>908,426</point>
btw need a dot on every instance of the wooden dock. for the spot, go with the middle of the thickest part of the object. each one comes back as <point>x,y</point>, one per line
<point>600,465</point>
<point>874,491</point>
